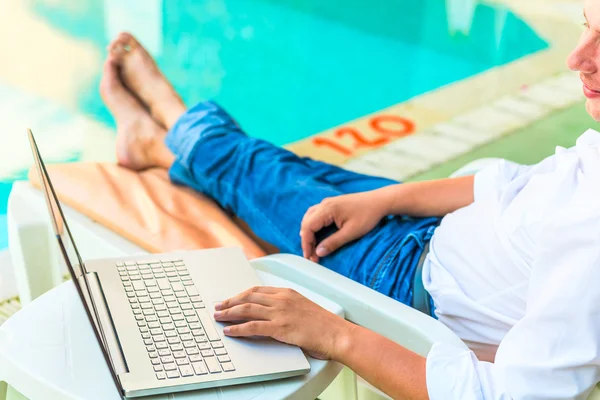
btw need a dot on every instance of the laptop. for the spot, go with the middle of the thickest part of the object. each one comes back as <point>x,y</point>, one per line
<point>153,315</point>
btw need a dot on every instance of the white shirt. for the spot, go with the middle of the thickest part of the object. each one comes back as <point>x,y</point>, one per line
<point>516,275</point>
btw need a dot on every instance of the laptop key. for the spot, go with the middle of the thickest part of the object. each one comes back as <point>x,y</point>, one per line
<point>163,283</point>
<point>187,283</point>
<point>162,314</point>
<point>198,304</point>
<point>192,319</point>
<point>199,368</point>
<point>223,359</point>
<point>153,354</point>
<point>179,354</point>
<point>148,342</point>
<point>213,365</point>
<point>195,326</point>
<point>172,374</point>
<point>195,357</point>
<point>159,338</point>
<point>177,347</point>
<point>201,339</point>
<point>166,360</point>
<point>186,370</point>
<point>164,352</point>
<point>173,340</point>
<point>187,307</point>
<point>207,353</point>
<point>160,307</point>
<point>192,351</point>
<point>155,331</point>
<point>177,287</point>
<point>155,295</point>
<point>189,343</point>
<point>217,344</point>
<point>228,367</point>
<point>168,327</point>
<point>158,368</point>
<point>220,352</point>
<point>183,331</point>
<point>162,345</point>
<point>192,291</point>
<point>209,328</point>
<point>155,361</point>
<point>187,336</point>
<point>204,346</point>
<point>161,375</point>
<point>182,361</point>
<point>165,320</point>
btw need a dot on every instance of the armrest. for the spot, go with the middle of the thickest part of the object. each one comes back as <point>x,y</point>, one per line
<point>37,264</point>
<point>362,305</point>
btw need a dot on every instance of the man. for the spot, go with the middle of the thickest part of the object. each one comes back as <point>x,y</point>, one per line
<point>513,267</point>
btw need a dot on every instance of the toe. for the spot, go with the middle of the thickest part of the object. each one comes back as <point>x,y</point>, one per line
<point>123,43</point>
<point>115,95</point>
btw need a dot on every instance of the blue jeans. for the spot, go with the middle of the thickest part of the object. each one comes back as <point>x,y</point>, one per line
<point>270,189</point>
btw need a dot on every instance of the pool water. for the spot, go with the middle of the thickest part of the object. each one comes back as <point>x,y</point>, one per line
<point>287,69</point>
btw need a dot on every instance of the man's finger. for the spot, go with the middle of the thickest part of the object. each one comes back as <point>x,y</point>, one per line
<point>257,294</point>
<point>311,224</point>
<point>251,328</point>
<point>244,312</point>
<point>335,241</point>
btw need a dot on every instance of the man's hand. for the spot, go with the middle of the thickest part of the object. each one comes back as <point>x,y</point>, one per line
<point>286,316</point>
<point>354,215</point>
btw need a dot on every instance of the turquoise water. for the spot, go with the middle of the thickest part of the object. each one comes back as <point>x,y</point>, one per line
<point>287,69</point>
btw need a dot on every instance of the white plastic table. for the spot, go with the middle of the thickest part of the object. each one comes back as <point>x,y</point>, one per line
<point>48,351</point>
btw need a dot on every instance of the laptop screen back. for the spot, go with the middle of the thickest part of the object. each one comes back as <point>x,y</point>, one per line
<point>71,256</point>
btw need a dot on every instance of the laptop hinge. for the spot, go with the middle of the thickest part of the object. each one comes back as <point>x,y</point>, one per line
<point>109,339</point>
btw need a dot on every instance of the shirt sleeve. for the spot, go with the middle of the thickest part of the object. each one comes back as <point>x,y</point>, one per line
<point>553,352</point>
<point>491,180</point>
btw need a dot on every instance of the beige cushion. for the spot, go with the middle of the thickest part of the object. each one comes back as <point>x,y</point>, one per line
<point>149,210</point>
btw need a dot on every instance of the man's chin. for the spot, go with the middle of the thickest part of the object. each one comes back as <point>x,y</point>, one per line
<point>593,109</point>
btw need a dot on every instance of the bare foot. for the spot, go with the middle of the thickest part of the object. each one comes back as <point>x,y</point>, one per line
<point>140,141</point>
<point>141,76</point>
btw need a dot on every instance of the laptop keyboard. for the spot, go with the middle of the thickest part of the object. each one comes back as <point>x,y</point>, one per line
<point>178,333</point>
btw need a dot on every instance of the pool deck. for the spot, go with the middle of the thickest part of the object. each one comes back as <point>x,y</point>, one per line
<point>532,99</point>
<point>407,139</point>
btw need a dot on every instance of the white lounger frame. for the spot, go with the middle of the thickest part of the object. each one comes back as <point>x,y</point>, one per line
<point>32,248</point>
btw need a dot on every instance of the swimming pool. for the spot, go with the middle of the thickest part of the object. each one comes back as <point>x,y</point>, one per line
<point>286,69</point>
